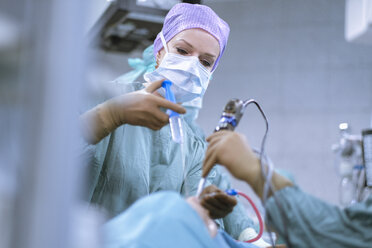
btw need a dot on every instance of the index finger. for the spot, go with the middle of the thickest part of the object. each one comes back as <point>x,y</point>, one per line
<point>154,86</point>
<point>209,162</point>
<point>216,134</point>
<point>170,105</point>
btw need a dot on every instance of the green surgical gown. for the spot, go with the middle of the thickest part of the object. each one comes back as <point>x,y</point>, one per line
<point>134,161</point>
<point>314,223</point>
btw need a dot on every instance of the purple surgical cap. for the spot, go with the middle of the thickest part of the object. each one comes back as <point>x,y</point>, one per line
<point>186,16</point>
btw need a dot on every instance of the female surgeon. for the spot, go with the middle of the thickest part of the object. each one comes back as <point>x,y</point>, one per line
<point>126,159</point>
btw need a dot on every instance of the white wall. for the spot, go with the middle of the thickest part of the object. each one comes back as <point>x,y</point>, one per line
<point>291,56</point>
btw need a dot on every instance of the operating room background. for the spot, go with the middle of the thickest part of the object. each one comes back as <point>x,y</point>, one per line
<point>292,57</point>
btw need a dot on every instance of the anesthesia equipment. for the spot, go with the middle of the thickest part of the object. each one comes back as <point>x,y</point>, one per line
<point>229,120</point>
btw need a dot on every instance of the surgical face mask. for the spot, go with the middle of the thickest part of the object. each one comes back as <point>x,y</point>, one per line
<point>190,78</point>
<point>196,103</point>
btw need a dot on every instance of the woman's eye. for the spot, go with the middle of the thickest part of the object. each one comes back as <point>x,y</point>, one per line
<point>181,51</point>
<point>206,63</point>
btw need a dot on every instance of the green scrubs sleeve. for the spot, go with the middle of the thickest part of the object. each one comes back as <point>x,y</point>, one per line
<point>312,222</point>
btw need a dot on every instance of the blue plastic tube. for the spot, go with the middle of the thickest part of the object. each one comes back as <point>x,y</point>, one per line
<point>174,117</point>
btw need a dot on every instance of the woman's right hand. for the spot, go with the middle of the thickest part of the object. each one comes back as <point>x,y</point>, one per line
<point>142,108</point>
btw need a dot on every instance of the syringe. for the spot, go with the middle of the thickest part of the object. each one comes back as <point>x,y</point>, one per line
<point>174,117</point>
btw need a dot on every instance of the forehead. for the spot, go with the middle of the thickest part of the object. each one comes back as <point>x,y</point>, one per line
<point>201,40</point>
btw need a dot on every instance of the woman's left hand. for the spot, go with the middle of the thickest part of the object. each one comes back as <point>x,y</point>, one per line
<point>218,203</point>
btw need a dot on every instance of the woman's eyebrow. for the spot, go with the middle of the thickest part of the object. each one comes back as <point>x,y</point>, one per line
<point>206,54</point>
<point>209,55</point>
<point>186,42</point>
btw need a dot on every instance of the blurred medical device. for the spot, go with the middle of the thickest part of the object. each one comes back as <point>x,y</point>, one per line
<point>354,164</point>
<point>367,157</point>
<point>355,151</point>
<point>124,25</point>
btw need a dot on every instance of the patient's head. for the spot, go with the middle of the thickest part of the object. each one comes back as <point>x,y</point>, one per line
<point>203,213</point>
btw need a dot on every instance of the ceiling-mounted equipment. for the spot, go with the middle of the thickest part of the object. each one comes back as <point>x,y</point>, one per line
<point>127,24</point>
